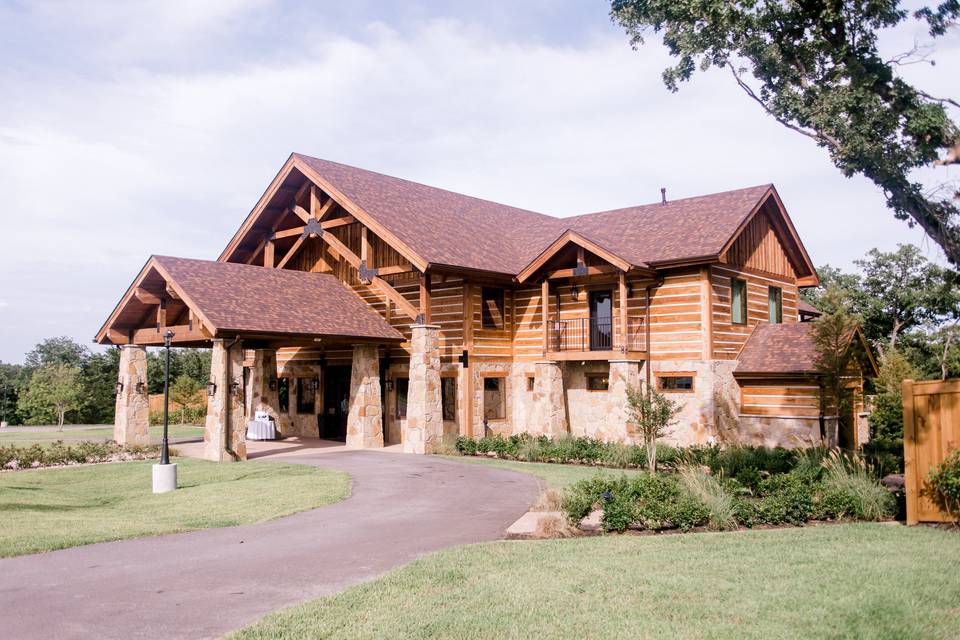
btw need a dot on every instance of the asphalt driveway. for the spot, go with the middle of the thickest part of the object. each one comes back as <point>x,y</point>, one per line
<point>206,583</point>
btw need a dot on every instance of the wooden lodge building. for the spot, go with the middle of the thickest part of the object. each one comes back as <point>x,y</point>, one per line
<point>356,306</point>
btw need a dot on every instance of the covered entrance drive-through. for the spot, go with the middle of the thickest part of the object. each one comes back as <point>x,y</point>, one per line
<point>236,309</point>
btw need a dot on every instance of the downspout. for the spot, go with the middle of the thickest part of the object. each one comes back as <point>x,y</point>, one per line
<point>228,414</point>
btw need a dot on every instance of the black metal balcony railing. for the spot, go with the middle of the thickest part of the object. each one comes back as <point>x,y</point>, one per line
<point>594,334</point>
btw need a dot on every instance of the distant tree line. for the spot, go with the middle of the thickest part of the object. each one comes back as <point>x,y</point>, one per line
<point>61,381</point>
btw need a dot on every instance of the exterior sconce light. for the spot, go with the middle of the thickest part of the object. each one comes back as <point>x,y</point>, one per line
<point>235,388</point>
<point>211,388</point>
<point>315,383</point>
<point>141,386</point>
<point>273,383</point>
<point>575,291</point>
<point>389,384</point>
<point>119,386</point>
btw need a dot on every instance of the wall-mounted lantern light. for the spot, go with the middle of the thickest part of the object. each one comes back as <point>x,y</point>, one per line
<point>235,388</point>
<point>119,386</point>
<point>315,383</point>
<point>272,383</point>
<point>141,387</point>
<point>389,383</point>
<point>575,291</point>
<point>211,388</point>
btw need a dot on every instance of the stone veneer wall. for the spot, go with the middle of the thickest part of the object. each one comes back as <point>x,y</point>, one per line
<point>423,432</point>
<point>292,423</point>
<point>131,422</point>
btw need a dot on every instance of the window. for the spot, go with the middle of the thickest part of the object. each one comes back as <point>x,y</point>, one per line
<point>530,383</point>
<point>598,382</point>
<point>738,301</point>
<point>305,395</point>
<point>402,385</point>
<point>283,394</point>
<point>776,305</point>
<point>448,392</point>
<point>675,383</point>
<point>492,308</point>
<point>494,399</point>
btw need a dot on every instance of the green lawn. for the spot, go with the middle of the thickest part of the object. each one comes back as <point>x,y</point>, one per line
<point>14,435</point>
<point>554,476</point>
<point>844,581</point>
<point>64,507</point>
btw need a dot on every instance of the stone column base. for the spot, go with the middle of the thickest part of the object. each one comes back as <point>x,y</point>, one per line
<point>423,431</point>
<point>365,419</point>
<point>224,435</point>
<point>131,420</point>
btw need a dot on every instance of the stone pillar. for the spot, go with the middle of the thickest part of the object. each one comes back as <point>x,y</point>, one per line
<point>131,419</point>
<point>549,407</point>
<point>423,432</point>
<point>262,397</point>
<point>226,426</point>
<point>365,419</point>
<point>624,375</point>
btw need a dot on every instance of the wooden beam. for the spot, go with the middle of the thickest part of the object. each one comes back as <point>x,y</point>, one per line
<point>622,308</point>
<point>314,201</point>
<point>425,297</point>
<point>392,271</point>
<point>181,333</point>
<point>322,211</point>
<point>118,337</point>
<point>302,191</point>
<point>172,294</point>
<point>597,270</point>
<point>467,315</point>
<point>291,252</point>
<point>162,314</point>
<point>337,222</point>
<point>301,213</point>
<point>365,247</point>
<point>268,254</point>
<point>544,312</point>
<point>146,297</point>
<point>402,303</point>
<point>287,233</point>
<point>342,250</point>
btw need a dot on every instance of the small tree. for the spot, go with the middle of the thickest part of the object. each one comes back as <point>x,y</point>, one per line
<point>653,413</point>
<point>183,391</point>
<point>53,388</point>
<point>833,334</point>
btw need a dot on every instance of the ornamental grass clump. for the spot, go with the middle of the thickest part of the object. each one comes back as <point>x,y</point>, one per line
<point>708,490</point>
<point>849,475</point>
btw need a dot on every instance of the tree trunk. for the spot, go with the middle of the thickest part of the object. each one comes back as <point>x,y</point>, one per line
<point>933,217</point>
<point>60,415</point>
<point>946,351</point>
<point>652,455</point>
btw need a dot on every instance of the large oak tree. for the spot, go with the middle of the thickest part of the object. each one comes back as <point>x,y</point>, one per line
<point>814,66</point>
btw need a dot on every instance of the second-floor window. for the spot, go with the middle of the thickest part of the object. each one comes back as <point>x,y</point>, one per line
<point>776,305</point>
<point>491,304</point>
<point>738,301</point>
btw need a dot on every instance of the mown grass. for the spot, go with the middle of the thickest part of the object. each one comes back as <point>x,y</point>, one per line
<point>13,435</point>
<point>844,581</point>
<point>47,509</point>
<point>554,476</point>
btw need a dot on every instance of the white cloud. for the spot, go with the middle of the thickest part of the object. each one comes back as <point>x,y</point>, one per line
<point>101,171</point>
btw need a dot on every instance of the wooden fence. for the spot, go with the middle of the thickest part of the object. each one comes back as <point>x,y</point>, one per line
<point>931,429</point>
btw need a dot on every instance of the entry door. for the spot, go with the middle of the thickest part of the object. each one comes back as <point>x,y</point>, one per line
<point>601,320</point>
<point>336,403</point>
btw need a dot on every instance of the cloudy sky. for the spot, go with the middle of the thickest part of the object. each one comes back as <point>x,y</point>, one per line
<point>131,128</point>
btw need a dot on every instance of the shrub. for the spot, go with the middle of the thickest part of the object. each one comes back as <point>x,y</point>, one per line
<point>885,455</point>
<point>850,475</point>
<point>466,446</point>
<point>614,454</point>
<point>711,494</point>
<point>944,483</point>
<point>59,453</point>
<point>786,498</point>
<point>833,503</point>
<point>619,512</point>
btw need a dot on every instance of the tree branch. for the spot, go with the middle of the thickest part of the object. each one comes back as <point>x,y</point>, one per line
<point>815,135</point>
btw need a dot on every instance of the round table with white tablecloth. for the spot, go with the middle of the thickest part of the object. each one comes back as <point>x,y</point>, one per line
<point>261,430</point>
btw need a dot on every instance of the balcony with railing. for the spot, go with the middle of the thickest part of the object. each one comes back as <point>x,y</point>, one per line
<point>594,339</point>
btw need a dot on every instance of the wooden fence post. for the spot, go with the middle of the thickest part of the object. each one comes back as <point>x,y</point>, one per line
<point>910,470</point>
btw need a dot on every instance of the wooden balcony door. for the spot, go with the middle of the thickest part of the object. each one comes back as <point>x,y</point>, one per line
<point>601,320</point>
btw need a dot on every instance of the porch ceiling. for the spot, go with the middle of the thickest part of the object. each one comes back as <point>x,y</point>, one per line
<point>200,300</point>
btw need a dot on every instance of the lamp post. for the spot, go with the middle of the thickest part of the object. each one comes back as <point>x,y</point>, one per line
<point>165,474</point>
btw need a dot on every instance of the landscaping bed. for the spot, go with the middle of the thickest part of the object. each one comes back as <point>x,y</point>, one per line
<point>56,454</point>
<point>64,507</point>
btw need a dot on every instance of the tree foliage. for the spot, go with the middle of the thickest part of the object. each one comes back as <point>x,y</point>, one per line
<point>652,413</point>
<point>54,390</point>
<point>816,69</point>
<point>183,391</point>
<point>834,334</point>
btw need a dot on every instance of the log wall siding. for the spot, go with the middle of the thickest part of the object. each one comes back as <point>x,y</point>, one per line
<point>728,338</point>
<point>786,398</point>
<point>758,247</point>
<point>676,329</point>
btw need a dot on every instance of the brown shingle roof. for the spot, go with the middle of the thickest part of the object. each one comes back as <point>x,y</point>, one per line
<point>805,308</point>
<point>251,299</point>
<point>779,349</point>
<point>447,228</point>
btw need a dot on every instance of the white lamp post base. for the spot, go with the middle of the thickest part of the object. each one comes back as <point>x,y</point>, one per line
<point>164,478</point>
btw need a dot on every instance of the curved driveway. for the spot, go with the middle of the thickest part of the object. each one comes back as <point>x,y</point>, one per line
<point>206,583</point>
